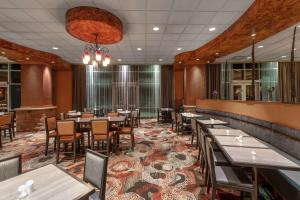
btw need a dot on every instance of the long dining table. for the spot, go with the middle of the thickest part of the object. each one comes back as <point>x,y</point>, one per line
<point>49,182</point>
<point>241,149</point>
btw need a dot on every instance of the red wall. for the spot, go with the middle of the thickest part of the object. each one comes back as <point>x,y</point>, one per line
<point>36,86</point>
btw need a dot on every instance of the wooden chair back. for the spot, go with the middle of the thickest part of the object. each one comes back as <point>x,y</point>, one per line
<point>50,124</point>
<point>112,114</point>
<point>173,115</point>
<point>194,125</point>
<point>65,128</point>
<point>87,115</point>
<point>100,127</point>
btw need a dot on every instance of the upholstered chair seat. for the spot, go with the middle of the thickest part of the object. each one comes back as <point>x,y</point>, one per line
<point>10,166</point>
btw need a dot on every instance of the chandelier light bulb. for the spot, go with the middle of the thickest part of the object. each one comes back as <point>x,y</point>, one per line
<point>98,55</point>
<point>86,58</point>
<point>104,63</point>
<point>94,63</point>
<point>107,60</point>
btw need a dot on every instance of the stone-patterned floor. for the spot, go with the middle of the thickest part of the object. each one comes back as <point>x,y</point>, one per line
<point>163,165</point>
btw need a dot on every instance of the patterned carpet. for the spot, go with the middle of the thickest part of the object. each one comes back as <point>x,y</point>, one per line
<point>162,166</point>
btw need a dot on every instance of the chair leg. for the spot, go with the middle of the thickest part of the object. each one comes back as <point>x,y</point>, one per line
<point>108,140</point>
<point>0,138</point>
<point>208,184</point>
<point>132,141</point>
<point>10,134</point>
<point>54,144</point>
<point>74,149</point>
<point>58,151</point>
<point>213,193</point>
<point>47,145</point>
<point>89,139</point>
<point>192,139</point>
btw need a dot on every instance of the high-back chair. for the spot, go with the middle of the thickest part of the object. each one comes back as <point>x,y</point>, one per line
<point>10,166</point>
<point>112,114</point>
<point>100,133</point>
<point>194,131</point>
<point>66,134</point>
<point>174,120</point>
<point>233,178</point>
<point>128,130</point>
<point>5,125</point>
<point>134,116</point>
<point>139,116</point>
<point>182,126</point>
<point>50,128</point>
<point>95,173</point>
<point>12,122</point>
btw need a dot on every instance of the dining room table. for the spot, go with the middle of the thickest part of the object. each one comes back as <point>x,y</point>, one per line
<point>212,122</point>
<point>189,115</point>
<point>49,182</point>
<point>254,153</point>
<point>228,132</point>
<point>165,114</point>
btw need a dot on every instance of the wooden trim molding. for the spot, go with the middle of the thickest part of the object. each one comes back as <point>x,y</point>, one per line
<point>266,17</point>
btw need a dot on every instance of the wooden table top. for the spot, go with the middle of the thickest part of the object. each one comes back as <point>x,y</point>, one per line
<point>260,157</point>
<point>245,142</point>
<point>89,119</point>
<point>50,182</point>
<point>212,122</point>
<point>231,132</point>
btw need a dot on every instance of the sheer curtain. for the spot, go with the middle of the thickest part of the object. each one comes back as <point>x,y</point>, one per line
<point>213,81</point>
<point>124,86</point>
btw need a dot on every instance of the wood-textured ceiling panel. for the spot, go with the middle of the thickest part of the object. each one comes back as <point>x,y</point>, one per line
<point>265,17</point>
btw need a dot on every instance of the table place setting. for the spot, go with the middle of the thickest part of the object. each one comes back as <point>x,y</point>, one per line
<point>25,189</point>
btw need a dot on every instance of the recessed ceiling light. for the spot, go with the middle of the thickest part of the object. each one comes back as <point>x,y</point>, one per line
<point>248,58</point>
<point>217,53</point>
<point>2,52</point>
<point>55,48</point>
<point>155,28</point>
<point>208,61</point>
<point>212,29</point>
<point>179,49</point>
<point>253,34</point>
<point>197,59</point>
<point>260,46</point>
<point>119,60</point>
<point>295,49</point>
<point>299,26</point>
<point>160,59</point>
<point>52,62</point>
<point>283,56</point>
<point>27,58</point>
<point>179,62</point>
<point>139,49</point>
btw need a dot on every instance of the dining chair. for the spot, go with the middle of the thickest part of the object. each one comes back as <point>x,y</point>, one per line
<point>66,133</point>
<point>62,116</point>
<point>86,128</point>
<point>10,166</point>
<point>174,120</point>
<point>233,178</point>
<point>183,127</point>
<point>138,116</point>
<point>101,133</point>
<point>50,128</point>
<point>112,114</point>
<point>12,123</point>
<point>95,173</point>
<point>218,156</point>
<point>5,125</point>
<point>128,130</point>
<point>194,131</point>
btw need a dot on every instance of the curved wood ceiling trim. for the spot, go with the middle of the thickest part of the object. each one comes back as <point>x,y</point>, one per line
<point>266,17</point>
<point>20,54</point>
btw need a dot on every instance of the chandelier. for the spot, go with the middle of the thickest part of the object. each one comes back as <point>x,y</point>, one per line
<point>95,54</point>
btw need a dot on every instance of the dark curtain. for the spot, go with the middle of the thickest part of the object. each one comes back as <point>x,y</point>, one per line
<point>285,84</point>
<point>79,88</point>
<point>166,86</point>
<point>213,81</point>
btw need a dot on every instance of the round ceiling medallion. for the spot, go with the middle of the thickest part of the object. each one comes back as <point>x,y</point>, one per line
<point>85,23</point>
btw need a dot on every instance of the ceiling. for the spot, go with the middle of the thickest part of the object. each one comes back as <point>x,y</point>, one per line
<point>40,24</point>
<point>275,48</point>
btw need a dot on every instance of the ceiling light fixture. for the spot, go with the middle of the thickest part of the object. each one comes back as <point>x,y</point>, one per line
<point>253,34</point>
<point>283,56</point>
<point>55,48</point>
<point>217,53</point>
<point>260,46</point>
<point>139,49</point>
<point>119,60</point>
<point>299,26</point>
<point>155,28</point>
<point>2,52</point>
<point>212,29</point>
<point>198,59</point>
<point>27,58</point>
<point>179,49</point>
<point>179,62</point>
<point>249,57</point>
<point>94,54</point>
<point>160,60</point>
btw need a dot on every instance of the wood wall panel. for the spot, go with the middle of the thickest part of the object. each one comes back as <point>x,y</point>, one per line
<point>195,84</point>
<point>279,113</point>
<point>178,84</point>
<point>63,90</point>
<point>36,86</point>
<point>266,17</point>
